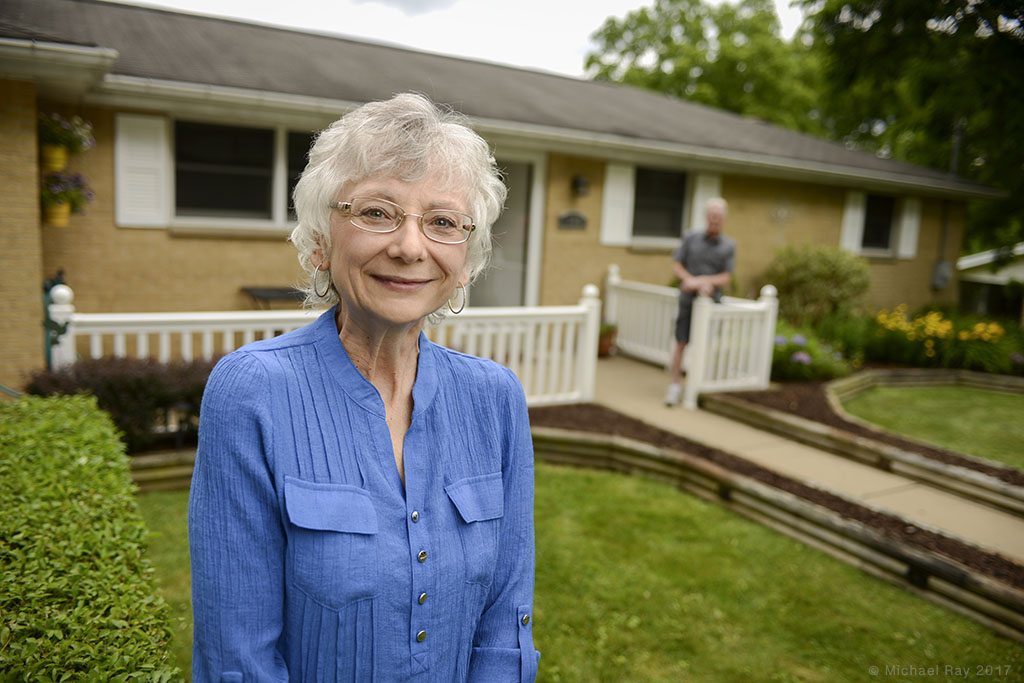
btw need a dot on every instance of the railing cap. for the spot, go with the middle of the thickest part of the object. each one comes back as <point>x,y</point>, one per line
<point>62,295</point>
<point>769,292</point>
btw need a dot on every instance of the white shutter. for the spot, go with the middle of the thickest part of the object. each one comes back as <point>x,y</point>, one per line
<point>142,161</point>
<point>909,226</point>
<point>706,186</point>
<point>617,204</point>
<point>852,236</point>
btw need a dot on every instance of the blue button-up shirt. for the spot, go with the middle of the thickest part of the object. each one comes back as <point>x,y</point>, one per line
<point>310,559</point>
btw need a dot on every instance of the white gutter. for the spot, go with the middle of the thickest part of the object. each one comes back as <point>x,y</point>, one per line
<point>184,98</point>
<point>984,257</point>
<point>57,68</point>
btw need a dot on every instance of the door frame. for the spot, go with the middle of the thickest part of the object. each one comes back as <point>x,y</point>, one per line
<point>535,216</point>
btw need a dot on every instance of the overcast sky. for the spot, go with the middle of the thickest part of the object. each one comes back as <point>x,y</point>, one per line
<point>552,35</point>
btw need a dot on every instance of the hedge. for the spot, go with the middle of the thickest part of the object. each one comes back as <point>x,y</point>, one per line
<point>77,601</point>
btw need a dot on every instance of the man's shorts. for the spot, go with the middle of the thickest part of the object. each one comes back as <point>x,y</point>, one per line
<point>683,319</point>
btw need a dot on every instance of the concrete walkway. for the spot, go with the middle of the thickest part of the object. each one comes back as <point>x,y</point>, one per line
<point>637,389</point>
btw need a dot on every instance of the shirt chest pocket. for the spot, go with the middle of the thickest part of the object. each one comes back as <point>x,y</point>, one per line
<point>480,504</point>
<point>332,541</point>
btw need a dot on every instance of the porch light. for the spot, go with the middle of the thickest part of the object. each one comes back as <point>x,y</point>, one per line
<point>580,186</point>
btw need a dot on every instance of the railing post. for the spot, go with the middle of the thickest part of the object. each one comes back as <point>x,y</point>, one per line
<point>611,294</point>
<point>591,302</point>
<point>62,312</point>
<point>769,297</point>
<point>698,350</point>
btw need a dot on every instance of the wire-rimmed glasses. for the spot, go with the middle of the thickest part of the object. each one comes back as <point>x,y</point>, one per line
<point>372,214</point>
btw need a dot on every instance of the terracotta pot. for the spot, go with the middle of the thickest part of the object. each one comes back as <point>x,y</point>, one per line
<point>57,215</point>
<point>53,158</point>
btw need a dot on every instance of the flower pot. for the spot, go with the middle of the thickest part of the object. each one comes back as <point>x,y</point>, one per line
<point>53,158</point>
<point>57,215</point>
<point>606,343</point>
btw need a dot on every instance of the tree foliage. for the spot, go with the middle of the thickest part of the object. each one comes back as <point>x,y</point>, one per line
<point>904,78</point>
<point>729,56</point>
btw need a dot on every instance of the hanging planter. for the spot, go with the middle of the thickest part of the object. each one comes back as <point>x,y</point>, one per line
<point>57,215</point>
<point>62,194</point>
<point>53,158</point>
<point>74,134</point>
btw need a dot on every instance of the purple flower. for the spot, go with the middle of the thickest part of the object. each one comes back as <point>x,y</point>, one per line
<point>801,357</point>
<point>1017,357</point>
<point>799,340</point>
<point>781,340</point>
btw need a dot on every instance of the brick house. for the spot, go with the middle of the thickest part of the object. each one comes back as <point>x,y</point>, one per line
<point>202,125</point>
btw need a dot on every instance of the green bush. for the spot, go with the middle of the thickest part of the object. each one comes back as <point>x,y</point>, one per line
<point>138,393</point>
<point>799,356</point>
<point>815,281</point>
<point>77,601</point>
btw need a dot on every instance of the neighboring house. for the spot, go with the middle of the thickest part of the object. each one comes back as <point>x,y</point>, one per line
<point>992,282</point>
<point>202,125</point>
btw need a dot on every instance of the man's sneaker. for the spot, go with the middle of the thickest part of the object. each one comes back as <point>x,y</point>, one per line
<point>674,393</point>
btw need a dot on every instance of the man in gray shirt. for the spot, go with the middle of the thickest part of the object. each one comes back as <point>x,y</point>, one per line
<point>703,263</point>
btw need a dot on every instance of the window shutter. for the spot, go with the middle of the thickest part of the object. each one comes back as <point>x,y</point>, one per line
<point>853,222</point>
<point>910,225</point>
<point>141,163</point>
<point>617,205</point>
<point>705,186</point>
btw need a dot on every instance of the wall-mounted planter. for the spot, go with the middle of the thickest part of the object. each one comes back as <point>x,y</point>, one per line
<point>57,215</point>
<point>53,158</point>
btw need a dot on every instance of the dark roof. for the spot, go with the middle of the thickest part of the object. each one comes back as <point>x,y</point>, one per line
<point>164,45</point>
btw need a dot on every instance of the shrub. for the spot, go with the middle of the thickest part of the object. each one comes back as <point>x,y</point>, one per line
<point>77,601</point>
<point>138,393</point>
<point>815,281</point>
<point>799,356</point>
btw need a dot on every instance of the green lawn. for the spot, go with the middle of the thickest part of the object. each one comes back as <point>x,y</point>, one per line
<point>639,582</point>
<point>986,424</point>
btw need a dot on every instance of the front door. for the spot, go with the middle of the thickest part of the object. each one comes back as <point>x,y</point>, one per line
<point>504,283</point>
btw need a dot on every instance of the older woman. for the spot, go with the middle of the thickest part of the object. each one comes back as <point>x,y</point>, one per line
<point>362,503</point>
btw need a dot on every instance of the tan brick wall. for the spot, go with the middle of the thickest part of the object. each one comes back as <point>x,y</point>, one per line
<point>574,258</point>
<point>813,214</point>
<point>134,269</point>
<point>21,304</point>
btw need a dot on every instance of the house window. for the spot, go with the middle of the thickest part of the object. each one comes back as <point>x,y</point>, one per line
<point>223,171</point>
<point>658,203</point>
<point>298,150</point>
<point>879,212</point>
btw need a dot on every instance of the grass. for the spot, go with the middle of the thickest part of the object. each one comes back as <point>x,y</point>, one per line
<point>637,581</point>
<point>986,424</point>
<point>166,514</point>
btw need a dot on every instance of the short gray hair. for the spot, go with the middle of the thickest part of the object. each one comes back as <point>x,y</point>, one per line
<point>717,202</point>
<point>406,137</point>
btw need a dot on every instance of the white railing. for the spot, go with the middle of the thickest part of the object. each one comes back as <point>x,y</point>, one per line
<point>552,349</point>
<point>730,346</point>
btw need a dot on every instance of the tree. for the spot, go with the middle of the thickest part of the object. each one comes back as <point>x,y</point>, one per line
<point>905,78</point>
<point>730,56</point>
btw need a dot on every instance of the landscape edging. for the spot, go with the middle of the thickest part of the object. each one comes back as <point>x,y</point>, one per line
<point>935,577</point>
<point>965,482</point>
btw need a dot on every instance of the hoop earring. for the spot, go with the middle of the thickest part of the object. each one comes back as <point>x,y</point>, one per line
<point>464,297</point>
<point>326,289</point>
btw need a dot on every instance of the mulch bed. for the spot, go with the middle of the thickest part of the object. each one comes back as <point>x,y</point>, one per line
<point>807,400</point>
<point>597,419</point>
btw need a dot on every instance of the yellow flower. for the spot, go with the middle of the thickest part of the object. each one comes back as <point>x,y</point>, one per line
<point>962,335</point>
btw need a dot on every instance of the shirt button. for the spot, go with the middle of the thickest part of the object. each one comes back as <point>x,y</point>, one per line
<point>415,516</point>
<point>526,619</point>
<point>421,636</point>
<point>423,598</point>
<point>422,557</point>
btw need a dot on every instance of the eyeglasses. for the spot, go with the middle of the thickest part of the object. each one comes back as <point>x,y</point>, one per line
<point>379,215</point>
